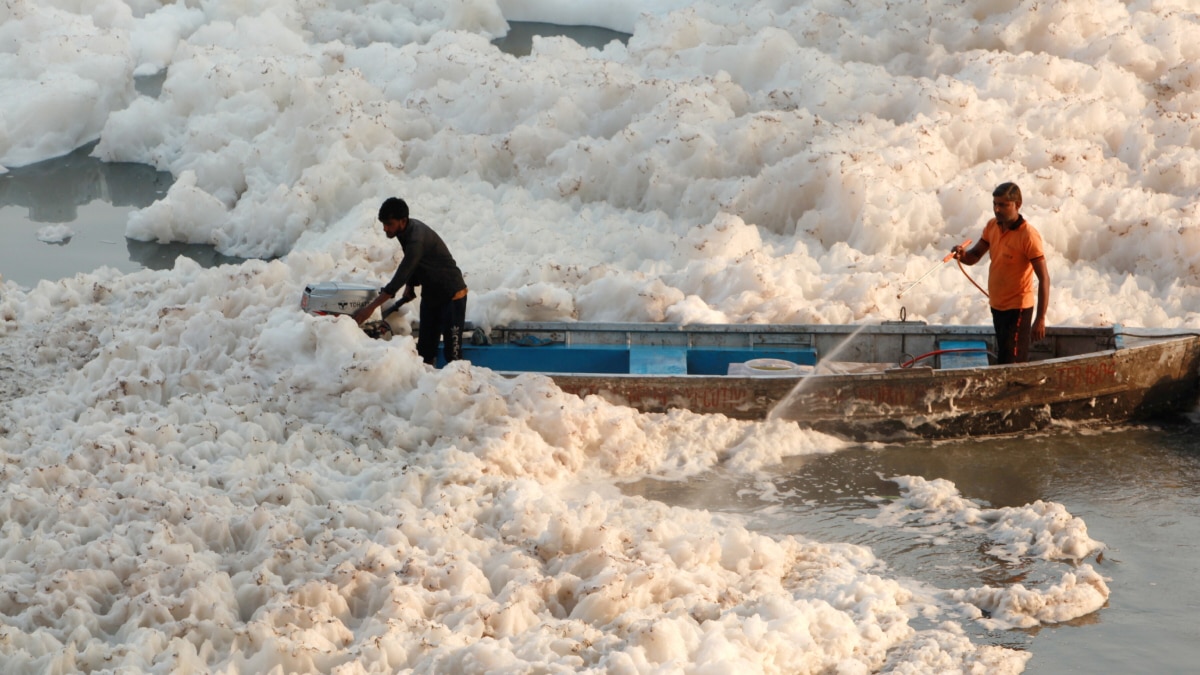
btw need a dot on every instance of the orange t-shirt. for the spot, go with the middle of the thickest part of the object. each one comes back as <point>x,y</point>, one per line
<point>1010,274</point>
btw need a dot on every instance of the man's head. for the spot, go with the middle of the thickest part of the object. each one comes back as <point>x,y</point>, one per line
<point>1006,203</point>
<point>393,213</point>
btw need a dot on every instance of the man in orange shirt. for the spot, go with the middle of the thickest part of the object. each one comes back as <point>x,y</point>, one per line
<point>1017,256</point>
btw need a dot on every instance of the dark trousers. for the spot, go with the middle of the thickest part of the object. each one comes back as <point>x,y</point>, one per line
<point>1014,332</point>
<point>441,321</point>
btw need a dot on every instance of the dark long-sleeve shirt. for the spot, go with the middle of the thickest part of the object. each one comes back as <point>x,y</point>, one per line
<point>427,263</point>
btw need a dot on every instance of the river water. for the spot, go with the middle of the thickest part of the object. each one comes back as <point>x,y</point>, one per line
<point>68,215</point>
<point>1138,490</point>
<point>93,199</point>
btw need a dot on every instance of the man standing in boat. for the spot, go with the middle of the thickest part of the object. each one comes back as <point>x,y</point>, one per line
<point>427,263</point>
<point>1017,256</point>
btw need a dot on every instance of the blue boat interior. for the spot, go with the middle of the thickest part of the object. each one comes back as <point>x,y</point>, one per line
<point>963,353</point>
<point>617,359</point>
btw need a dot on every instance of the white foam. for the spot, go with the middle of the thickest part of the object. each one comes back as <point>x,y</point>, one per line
<point>202,477</point>
<point>55,234</point>
<point>1043,530</point>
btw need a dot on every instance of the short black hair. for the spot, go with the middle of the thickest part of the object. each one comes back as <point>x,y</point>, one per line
<point>393,208</point>
<point>1008,191</point>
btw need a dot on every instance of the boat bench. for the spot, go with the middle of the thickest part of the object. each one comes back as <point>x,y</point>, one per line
<point>617,359</point>
<point>716,360</point>
<point>550,359</point>
<point>976,358</point>
<point>658,360</point>
<point>663,360</point>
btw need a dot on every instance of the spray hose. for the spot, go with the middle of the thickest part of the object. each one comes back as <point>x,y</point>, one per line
<point>968,276</point>
<point>960,247</point>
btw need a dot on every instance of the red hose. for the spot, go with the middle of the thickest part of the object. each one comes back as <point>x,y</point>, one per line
<point>909,362</point>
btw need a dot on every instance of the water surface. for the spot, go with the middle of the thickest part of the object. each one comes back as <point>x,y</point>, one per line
<point>1138,490</point>
<point>519,39</point>
<point>94,199</point>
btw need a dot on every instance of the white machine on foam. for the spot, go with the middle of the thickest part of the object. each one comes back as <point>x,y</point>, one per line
<point>336,297</point>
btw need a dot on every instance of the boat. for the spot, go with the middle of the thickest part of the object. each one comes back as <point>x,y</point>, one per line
<point>894,380</point>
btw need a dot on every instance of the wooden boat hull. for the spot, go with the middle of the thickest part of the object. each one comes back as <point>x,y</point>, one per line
<point>1089,386</point>
<point>1108,388</point>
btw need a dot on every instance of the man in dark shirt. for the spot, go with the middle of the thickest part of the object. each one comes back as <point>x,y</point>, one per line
<point>427,263</point>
